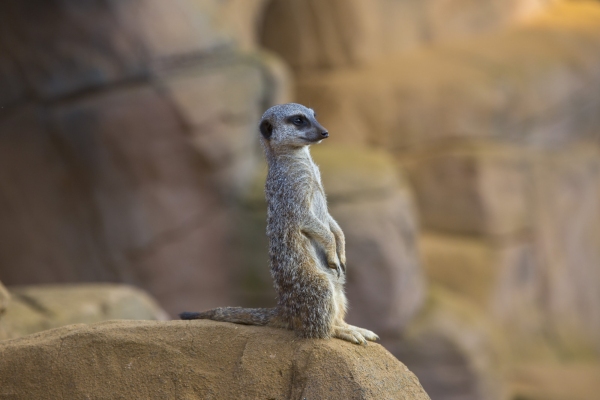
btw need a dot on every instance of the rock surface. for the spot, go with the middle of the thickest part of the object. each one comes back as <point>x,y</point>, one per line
<point>198,359</point>
<point>38,308</point>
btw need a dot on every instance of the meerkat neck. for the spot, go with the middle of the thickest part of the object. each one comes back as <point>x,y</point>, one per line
<point>289,156</point>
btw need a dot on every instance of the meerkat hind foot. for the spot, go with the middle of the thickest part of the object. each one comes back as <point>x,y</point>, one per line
<point>367,334</point>
<point>349,334</point>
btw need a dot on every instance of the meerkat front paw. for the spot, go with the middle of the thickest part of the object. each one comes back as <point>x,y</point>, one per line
<point>348,334</point>
<point>335,264</point>
<point>342,259</point>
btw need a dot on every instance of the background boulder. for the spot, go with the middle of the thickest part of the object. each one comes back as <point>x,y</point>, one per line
<point>40,307</point>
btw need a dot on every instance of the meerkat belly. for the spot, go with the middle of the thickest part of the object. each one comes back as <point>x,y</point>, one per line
<point>319,210</point>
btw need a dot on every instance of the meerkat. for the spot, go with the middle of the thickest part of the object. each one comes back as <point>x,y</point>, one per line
<point>306,245</point>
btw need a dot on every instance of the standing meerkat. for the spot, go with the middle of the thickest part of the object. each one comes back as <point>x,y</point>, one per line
<point>306,245</point>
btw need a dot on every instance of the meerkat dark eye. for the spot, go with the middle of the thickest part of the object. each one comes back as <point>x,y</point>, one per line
<point>298,120</point>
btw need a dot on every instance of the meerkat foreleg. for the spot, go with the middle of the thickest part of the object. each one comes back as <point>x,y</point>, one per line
<point>340,241</point>
<point>315,229</point>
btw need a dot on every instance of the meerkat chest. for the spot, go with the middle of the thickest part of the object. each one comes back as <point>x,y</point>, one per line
<point>318,200</point>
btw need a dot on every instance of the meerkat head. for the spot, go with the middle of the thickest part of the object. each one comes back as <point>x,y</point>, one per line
<point>290,126</point>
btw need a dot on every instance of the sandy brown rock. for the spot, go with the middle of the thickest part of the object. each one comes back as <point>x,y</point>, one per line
<point>41,307</point>
<point>200,359</point>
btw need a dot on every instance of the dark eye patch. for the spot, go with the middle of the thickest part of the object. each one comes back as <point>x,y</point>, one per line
<point>298,120</point>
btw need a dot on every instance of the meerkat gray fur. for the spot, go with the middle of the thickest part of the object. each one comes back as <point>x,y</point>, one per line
<point>306,245</point>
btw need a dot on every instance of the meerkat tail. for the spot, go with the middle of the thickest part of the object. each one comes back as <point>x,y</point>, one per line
<point>236,315</point>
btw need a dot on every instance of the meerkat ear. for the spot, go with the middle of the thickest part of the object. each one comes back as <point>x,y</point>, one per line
<point>266,129</point>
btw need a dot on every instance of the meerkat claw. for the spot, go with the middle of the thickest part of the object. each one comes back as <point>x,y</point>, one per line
<point>335,267</point>
<point>343,267</point>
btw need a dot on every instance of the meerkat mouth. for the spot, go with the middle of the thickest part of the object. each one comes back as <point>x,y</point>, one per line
<point>313,141</point>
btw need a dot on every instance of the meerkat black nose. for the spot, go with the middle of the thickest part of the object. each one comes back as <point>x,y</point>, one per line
<point>325,134</point>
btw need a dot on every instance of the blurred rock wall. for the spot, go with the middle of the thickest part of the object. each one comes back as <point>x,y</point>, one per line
<point>126,128</point>
<point>331,34</point>
<point>493,111</point>
<point>499,137</point>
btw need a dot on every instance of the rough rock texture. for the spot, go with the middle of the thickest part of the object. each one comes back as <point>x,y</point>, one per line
<point>318,34</point>
<point>374,207</point>
<point>199,359</point>
<point>126,128</point>
<point>38,308</point>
